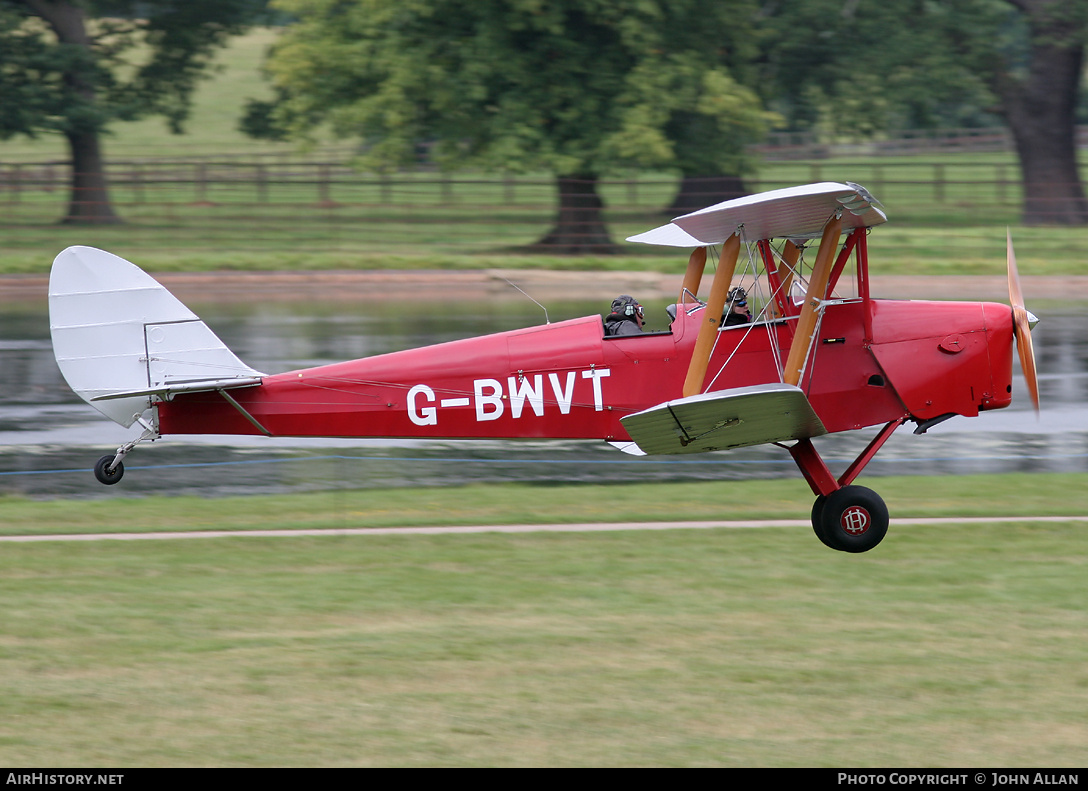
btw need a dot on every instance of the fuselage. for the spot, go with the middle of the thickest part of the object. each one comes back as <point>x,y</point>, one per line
<point>872,361</point>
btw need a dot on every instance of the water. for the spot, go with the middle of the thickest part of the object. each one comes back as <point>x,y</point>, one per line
<point>49,439</point>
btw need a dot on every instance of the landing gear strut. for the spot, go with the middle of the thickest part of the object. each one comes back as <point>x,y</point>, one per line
<point>109,469</point>
<point>845,517</point>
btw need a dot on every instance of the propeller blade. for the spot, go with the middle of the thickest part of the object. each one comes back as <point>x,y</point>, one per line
<point>1016,296</point>
<point>1022,322</point>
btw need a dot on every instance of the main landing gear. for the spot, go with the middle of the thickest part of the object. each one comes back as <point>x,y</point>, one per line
<point>850,519</point>
<point>845,517</point>
<point>109,469</point>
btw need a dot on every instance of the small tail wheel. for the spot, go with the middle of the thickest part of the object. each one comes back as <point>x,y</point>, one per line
<point>853,519</point>
<point>103,472</point>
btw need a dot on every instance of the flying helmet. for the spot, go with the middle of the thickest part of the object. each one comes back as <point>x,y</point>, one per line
<point>627,306</point>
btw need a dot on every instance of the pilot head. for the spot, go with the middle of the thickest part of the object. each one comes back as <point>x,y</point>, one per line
<point>627,307</point>
<point>736,308</point>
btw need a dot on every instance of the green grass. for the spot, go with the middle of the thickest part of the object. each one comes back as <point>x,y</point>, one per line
<point>948,646</point>
<point>1053,494</point>
<point>952,645</point>
<point>212,128</point>
<point>207,240</point>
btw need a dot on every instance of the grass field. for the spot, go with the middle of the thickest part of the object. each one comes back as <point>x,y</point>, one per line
<point>946,646</point>
<point>1051,494</point>
<point>299,232</point>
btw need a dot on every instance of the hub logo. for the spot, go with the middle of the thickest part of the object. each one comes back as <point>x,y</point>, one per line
<point>855,520</point>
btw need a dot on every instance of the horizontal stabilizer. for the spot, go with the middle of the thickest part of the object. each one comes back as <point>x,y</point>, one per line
<point>630,448</point>
<point>725,419</point>
<point>120,337</point>
<point>164,391</point>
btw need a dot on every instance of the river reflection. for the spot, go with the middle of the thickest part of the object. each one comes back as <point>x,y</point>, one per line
<point>49,439</point>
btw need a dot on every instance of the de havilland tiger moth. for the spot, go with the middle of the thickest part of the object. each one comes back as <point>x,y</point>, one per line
<point>810,361</point>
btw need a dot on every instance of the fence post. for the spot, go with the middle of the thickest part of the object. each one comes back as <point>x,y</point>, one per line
<point>262,183</point>
<point>323,185</point>
<point>201,183</point>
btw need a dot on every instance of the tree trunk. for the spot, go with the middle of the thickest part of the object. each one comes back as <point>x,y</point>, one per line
<point>699,192</point>
<point>89,200</point>
<point>1040,111</point>
<point>580,228</point>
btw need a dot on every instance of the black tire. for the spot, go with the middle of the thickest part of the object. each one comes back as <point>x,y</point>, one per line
<point>103,472</point>
<point>853,519</point>
<point>817,516</point>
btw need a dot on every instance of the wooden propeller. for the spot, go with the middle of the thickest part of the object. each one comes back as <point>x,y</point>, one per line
<point>1022,322</point>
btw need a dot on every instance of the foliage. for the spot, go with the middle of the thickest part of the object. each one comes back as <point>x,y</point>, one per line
<point>134,59</point>
<point>857,70</point>
<point>574,87</point>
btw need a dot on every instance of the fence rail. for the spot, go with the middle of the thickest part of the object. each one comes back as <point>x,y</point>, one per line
<point>282,206</point>
<point>174,182</point>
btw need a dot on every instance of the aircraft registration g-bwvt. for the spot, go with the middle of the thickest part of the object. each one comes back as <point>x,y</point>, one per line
<point>820,356</point>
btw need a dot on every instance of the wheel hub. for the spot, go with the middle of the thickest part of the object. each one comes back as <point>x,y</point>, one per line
<point>855,520</point>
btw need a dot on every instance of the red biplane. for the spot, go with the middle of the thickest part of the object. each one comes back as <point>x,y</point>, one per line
<point>820,356</point>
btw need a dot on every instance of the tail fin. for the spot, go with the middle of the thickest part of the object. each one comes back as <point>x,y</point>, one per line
<point>120,337</point>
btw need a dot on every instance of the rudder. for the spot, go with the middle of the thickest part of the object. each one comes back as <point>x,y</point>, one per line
<point>119,337</point>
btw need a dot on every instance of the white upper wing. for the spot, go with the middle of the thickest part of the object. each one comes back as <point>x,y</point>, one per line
<point>795,212</point>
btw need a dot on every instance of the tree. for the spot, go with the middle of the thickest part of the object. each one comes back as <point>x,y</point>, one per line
<point>1038,82</point>
<point>579,88</point>
<point>860,69</point>
<point>76,66</point>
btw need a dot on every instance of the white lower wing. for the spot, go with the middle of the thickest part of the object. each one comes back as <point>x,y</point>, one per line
<point>725,419</point>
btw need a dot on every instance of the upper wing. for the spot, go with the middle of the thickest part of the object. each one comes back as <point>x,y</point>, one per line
<point>725,419</point>
<point>796,212</point>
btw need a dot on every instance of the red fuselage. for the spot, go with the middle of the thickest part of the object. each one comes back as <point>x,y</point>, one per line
<point>873,361</point>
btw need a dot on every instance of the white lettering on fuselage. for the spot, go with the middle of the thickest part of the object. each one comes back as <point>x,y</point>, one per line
<point>421,416</point>
<point>526,394</point>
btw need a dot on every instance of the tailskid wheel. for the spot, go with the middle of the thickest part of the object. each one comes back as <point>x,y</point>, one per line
<point>850,519</point>
<point>109,469</point>
<point>103,472</point>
